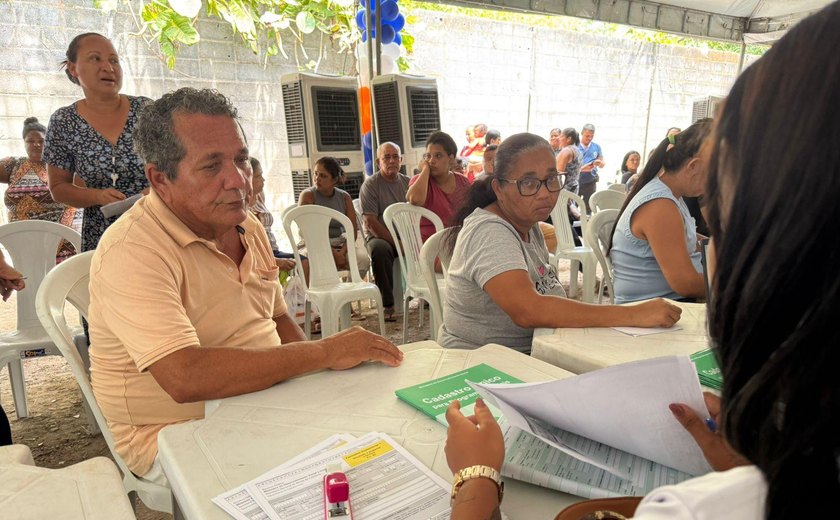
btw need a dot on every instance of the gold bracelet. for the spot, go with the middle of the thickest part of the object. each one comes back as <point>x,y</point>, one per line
<point>473,472</point>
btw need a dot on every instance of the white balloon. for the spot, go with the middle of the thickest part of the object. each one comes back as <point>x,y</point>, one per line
<point>389,65</point>
<point>392,50</point>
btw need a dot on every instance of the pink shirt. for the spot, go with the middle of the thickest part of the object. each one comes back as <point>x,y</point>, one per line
<point>443,205</point>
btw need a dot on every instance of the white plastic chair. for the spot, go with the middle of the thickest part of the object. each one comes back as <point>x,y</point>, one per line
<point>597,237</point>
<point>32,245</point>
<point>432,250</point>
<point>616,186</point>
<point>580,257</point>
<point>403,221</point>
<point>326,289</point>
<point>606,199</point>
<point>69,282</point>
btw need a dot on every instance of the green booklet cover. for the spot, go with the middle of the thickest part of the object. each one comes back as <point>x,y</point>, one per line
<point>708,369</point>
<point>433,397</point>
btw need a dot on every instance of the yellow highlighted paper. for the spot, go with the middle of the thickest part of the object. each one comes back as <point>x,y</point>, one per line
<point>367,453</point>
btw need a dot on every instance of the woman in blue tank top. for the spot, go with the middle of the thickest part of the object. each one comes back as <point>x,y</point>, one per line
<point>654,249</point>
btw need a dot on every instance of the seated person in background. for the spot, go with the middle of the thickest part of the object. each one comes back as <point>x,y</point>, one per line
<point>773,316</point>
<point>630,165</point>
<point>437,188</point>
<point>501,285</point>
<point>327,174</point>
<point>200,314</point>
<point>284,261</point>
<point>492,137</point>
<point>489,157</point>
<point>655,246</point>
<point>387,186</point>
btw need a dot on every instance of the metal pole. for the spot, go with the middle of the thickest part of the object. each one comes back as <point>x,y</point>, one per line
<point>741,61</point>
<point>649,103</point>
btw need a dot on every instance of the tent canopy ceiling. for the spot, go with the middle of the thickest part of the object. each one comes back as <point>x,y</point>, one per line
<point>728,20</point>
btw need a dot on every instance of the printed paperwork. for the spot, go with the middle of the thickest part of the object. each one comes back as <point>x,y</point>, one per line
<point>604,433</point>
<point>643,331</point>
<point>433,397</point>
<point>386,482</point>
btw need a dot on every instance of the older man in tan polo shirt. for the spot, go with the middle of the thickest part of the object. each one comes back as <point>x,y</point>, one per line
<point>185,301</point>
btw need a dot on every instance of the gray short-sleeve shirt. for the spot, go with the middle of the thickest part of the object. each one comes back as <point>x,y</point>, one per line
<point>488,246</point>
<point>378,193</point>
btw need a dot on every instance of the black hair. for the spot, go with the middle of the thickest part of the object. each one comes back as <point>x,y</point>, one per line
<point>255,164</point>
<point>72,53</point>
<point>627,156</point>
<point>333,168</point>
<point>481,194</point>
<point>572,134</point>
<point>775,289</point>
<point>31,124</point>
<point>490,135</point>
<point>671,154</point>
<point>491,148</point>
<point>443,140</point>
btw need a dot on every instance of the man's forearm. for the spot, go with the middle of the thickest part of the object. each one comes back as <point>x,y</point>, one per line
<point>202,373</point>
<point>380,230</point>
<point>288,330</point>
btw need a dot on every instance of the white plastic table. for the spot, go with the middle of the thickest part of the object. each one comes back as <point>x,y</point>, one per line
<point>585,350</point>
<point>89,490</point>
<point>245,436</point>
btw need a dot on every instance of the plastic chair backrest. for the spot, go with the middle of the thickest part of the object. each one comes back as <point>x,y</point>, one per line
<point>403,221</point>
<point>606,199</point>
<point>32,246</point>
<point>597,237</point>
<point>69,281</point>
<point>431,250</point>
<point>562,223</point>
<point>617,186</point>
<point>360,218</point>
<point>313,222</point>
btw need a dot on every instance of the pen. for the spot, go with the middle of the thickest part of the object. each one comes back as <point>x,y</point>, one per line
<point>711,424</point>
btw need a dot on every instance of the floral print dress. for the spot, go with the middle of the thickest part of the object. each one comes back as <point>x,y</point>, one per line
<point>73,145</point>
<point>28,197</point>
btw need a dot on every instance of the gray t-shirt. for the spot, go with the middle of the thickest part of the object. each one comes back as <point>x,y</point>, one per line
<point>378,193</point>
<point>488,246</point>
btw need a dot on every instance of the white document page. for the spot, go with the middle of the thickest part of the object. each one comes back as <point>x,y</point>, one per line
<point>623,406</point>
<point>643,331</point>
<point>530,459</point>
<point>239,503</point>
<point>386,482</point>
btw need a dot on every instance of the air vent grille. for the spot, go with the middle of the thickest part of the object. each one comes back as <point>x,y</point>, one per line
<point>337,119</point>
<point>424,114</point>
<point>388,113</point>
<point>301,181</point>
<point>293,107</point>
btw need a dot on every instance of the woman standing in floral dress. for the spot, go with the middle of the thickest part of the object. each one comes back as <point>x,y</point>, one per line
<point>92,138</point>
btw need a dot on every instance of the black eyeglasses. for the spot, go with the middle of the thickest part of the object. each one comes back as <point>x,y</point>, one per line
<point>530,186</point>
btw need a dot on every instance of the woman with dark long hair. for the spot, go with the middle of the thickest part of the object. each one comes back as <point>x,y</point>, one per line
<point>501,285</point>
<point>630,165</point>
<point>773,309</point>
<point>655,248</point>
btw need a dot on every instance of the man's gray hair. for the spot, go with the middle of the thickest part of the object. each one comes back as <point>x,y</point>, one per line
<point>387,143</point>
<point>588,126</point>
<point>155,140</point>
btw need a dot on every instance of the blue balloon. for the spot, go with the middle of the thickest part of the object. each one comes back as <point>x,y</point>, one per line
<point>390,10</point>
<point>398,23</point>
<point>397,39</point>
<point>360,19</point>
<point>366,140</point>
<point>368,168</point>
<point>364,35</point>
<point>388,34</point>
<point>368,153</point>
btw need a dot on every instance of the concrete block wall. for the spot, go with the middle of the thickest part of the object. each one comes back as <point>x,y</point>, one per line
<point>514,77</point>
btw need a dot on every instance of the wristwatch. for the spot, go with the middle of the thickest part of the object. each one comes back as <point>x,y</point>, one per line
<point>477,472</point>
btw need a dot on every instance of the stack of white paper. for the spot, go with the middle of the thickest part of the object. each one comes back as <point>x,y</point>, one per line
<point>386,482</point>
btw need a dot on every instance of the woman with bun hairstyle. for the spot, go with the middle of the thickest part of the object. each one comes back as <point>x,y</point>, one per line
<point>28,195</point>
<point>92,138</point>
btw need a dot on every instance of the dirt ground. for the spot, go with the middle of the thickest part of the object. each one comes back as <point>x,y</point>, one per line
<point>56,429</point>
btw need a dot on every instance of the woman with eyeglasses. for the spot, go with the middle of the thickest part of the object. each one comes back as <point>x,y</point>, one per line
<point>437,188</point>
<point>655,247</point>
<point>501,285</point>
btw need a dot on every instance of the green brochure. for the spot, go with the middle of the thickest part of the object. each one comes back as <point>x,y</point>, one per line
<point>708,369</point>
<point>433,397</point>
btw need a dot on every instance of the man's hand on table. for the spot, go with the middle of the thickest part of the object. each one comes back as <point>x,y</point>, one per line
<point>356,345</point>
